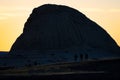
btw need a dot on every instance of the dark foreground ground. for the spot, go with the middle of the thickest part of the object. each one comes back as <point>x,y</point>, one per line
<point>93,76</point>
<point>108,69</point>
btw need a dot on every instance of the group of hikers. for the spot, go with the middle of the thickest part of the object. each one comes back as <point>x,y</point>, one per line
<point>80,57</point>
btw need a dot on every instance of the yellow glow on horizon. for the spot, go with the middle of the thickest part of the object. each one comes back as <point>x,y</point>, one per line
<point>14,13</point>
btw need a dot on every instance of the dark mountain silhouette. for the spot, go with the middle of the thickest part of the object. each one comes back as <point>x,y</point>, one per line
<point>57,27</point>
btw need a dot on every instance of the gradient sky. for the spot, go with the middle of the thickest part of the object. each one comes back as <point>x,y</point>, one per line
<point>14,13</point>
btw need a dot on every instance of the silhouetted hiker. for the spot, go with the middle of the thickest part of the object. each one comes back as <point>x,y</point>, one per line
<point>86,56</point>
<point>35,63</point>
<point>81,57</point>
<point>75,57</point>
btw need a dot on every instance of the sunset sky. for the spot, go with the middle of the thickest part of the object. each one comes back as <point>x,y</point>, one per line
<point>14,13</point>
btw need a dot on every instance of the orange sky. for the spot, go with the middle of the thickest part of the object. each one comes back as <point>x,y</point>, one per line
<point>14,13</point>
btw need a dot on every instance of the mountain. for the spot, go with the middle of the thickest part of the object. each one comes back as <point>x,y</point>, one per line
<point>58,27</point>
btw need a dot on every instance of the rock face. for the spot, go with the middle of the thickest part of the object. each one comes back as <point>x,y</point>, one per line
<point>56,27</point>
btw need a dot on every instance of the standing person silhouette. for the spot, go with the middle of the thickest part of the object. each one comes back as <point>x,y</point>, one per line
<point>81,57</point>
<point>86,56</point>
<point>75,57</point>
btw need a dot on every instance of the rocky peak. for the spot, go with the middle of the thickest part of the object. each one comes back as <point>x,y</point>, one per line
<point>58,27</point>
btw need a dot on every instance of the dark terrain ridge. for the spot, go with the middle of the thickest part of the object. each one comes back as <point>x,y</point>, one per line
<point>94,69</point>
